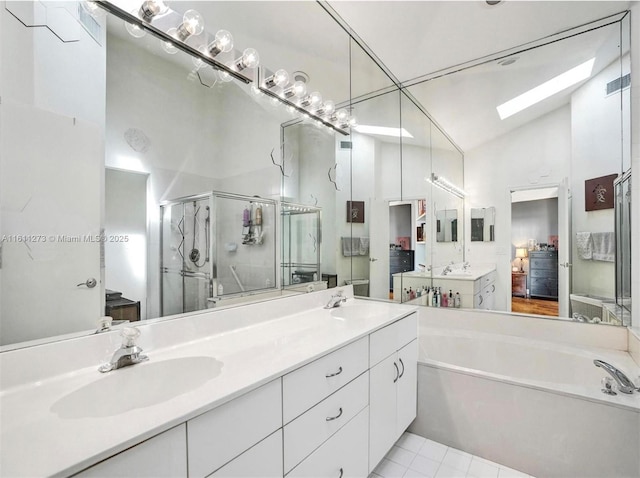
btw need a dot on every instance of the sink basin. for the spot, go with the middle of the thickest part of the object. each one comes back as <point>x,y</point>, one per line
<point>137,386</point>
<point>359,311</point>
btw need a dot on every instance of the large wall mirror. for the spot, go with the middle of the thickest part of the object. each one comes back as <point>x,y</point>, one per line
<point>571,143</point>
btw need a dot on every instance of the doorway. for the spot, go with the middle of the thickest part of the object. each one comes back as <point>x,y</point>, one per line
<point>535,233</point>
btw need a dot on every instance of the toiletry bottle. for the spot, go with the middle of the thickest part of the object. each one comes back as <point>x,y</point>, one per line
<point>439,297</point>
<point>451,302</point>
<point>425,298</point>
<point>259,216</point>
<point>412,294</point>
<point>444,300</point>
<point>220,289</point>
<point>435,297</point>
<point>246,217</point>
<point>457,300</point>
<point>432,297</point>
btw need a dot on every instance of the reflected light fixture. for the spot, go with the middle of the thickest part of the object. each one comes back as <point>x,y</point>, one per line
<point>521,253</point>
<point>249,59</point>
<point>297,89</point>
<point>546,89</point>
<point>222,43</point>
<point>152,8</point>
<point>279,78</point>
<point>192,24</point>
<point>446,185</point>
<point>326,109</point>
<point>383,131</point>
<point>133,29</point>
<point>167,45</point>
<point>314,100</point>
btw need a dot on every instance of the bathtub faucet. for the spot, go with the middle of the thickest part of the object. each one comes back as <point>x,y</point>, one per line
<point>624,384</point>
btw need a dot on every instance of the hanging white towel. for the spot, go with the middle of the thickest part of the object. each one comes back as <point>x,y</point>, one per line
<point>350,246</point>
<point>584,245</point>
<point>363,249</point>
<point>604,246</point>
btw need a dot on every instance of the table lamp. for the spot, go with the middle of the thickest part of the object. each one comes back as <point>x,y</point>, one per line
<point>521,253</point>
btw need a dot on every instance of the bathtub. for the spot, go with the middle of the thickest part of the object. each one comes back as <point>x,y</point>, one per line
<point>532,405</point>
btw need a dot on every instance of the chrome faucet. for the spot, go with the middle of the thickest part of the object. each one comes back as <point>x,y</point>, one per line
<point>624,384</point>
<point>336,300</point>
<point>446,270</point>
<point>466,265</point>
<point>128,354</point>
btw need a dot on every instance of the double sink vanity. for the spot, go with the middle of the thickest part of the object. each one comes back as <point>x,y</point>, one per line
<point>285,387</point>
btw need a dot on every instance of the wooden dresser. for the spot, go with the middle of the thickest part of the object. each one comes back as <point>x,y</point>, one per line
<point>543,269</point>
<point>519,284</point>
<point>400,261</point>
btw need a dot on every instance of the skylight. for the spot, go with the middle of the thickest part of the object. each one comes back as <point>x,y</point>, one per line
<point>383,131</point>
<point>546,89</point>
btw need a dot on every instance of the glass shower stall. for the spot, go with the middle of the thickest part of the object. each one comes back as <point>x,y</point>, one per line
<point>215,245</point>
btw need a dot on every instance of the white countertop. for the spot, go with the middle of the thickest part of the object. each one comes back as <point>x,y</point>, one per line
<point>474,272</point>
<point>36,440</point>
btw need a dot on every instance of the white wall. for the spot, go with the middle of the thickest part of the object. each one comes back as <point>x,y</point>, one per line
<point>538,153</point>
<point>635,159</point>
<point>52,177</point>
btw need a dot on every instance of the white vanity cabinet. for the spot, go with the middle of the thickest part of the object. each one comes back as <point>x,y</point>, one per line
<point>218,436</point>
<point>263,460</point>
<point>393,385</point>
<point>164,455</point>
<point>476,294</point>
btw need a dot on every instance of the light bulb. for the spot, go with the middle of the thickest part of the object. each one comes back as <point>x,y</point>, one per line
<point>352,122</point>
<point>279,78</point>
<point>249,59</point>
<point>192,24</point>
<point>326,109</point>
<point>152,8</point>
<point>224,75</point>
<point>297,89</point>
<point>133,29</point>
<point>167,45</point>
<point>316,99</point>
<point>222,43</point>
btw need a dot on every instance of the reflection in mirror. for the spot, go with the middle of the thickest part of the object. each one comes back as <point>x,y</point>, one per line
<point>301,240</point>
<point>574,136</point>
<point>447,225</point>
<point>483,222</point>
<point>137,110</point>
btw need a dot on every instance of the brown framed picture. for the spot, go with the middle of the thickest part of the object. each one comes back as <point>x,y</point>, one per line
<point>355,211</point>
<point>598,193</point>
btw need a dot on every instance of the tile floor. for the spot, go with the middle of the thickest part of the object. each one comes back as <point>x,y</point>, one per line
<point>416,457</point>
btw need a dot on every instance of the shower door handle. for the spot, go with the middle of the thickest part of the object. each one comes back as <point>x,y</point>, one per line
<point>372,259</point>
<point>565,264</point>
<point>90,283</point>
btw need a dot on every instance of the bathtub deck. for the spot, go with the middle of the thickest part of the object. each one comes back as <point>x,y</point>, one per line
<point>416,457</point>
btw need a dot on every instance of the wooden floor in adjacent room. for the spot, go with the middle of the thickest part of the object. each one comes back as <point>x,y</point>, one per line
<point>534,306</point>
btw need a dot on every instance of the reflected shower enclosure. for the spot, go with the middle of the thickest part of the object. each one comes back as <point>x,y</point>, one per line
<point>215,246</point>
<point>301,230</point>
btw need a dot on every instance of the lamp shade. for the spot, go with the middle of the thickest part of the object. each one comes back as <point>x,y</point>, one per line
<point>521,252</point>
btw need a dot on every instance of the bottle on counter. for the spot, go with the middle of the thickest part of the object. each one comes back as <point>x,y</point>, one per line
<point>451,301</point>
<point>412,294</point>
<point>424,298</point>
<point>458,300</point>
<point>444,300</point>
<point>430,297</point>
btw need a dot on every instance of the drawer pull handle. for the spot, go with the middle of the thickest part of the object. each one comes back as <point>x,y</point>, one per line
<point>493,288</point>
<point>329,419</point>
<point>397,372</point>
<point>401,363</point>
<point>341,473</point>
<point>335,373</point>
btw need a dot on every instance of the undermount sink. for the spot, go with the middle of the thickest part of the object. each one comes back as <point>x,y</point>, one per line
<point>358,311</point>
<point>458,273</point>
<point>137,386</point>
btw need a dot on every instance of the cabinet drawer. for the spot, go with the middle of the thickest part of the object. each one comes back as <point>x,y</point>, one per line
<point>344,455</point>
<point>544,287</point>
<point>303,388</point>
<point>543,264</point>
<point>218,436</point>
<point>263,460</point>
<point>162,455</point>
<point>307,432</point>
<point>391,338</point>
<point>544,273</point>
<point>487,279</point>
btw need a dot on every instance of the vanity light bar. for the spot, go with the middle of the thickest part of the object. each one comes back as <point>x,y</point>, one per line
<point>314,100</point>
<point>170,19</point>
<point>446,185</point>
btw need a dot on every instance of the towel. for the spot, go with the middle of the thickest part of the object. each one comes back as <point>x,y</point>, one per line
<point>350,246</point>
<point>584,245</point>
<point>604,246</point>
<point>363,248</point>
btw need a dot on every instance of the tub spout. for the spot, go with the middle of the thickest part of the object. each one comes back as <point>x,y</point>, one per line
<point>624,384</point>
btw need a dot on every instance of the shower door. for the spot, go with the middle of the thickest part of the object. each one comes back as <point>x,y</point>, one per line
<point>186,255</point>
